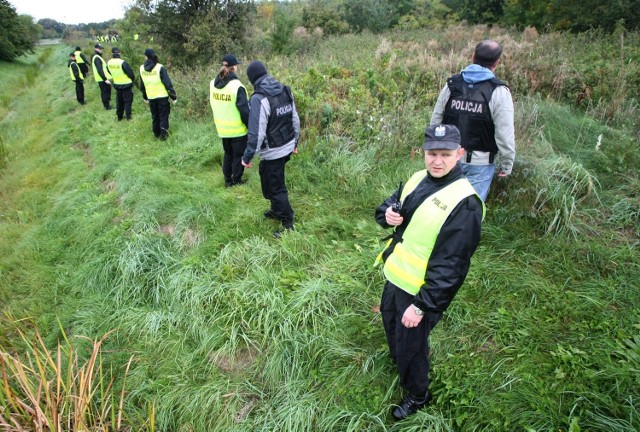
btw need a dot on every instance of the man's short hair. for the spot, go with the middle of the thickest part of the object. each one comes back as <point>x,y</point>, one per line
<point>487,53</point>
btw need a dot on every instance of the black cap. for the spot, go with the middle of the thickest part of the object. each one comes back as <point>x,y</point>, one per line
<point>230,60</point>
<point>149,52</point>
<point>115,50</point>
<point>98,46</point>
<point>77,48</point>
<point>72,54</point>
<point>442,137</point>
<point>255,70</point>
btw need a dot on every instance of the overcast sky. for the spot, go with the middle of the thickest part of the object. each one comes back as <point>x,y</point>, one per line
<point>72,11</point>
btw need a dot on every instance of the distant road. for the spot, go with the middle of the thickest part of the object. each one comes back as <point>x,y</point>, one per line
<point>49,41</point>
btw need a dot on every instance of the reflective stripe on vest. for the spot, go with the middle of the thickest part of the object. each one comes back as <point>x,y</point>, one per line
<point>78,57</point>
<point>73,78</point>
<point>96,75</point>
<point>115,67</point>
<point>406,266</point>
<point>152,82</point>
<point>225,113</point>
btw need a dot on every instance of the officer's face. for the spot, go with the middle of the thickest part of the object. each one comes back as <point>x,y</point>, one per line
<point>440,162</point>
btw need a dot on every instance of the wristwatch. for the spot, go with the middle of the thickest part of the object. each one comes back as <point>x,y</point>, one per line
<point>417,310</point>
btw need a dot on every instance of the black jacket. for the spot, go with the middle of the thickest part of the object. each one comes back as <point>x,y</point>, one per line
<point>242,102</point>
<point>457,241</point>
<point>164,77</point>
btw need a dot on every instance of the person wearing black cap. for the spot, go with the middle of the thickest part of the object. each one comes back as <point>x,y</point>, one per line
<point>102,76</point>
<point>122,80</point>
<point>77,77</point>
<point>230,106</point>
<point>82,61</point>
<point>437,220</point>
<point>274,131</point>
<point>156,88</point>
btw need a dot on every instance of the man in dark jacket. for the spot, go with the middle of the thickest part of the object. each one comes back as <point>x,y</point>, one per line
<point>274,131</point>
<point>156,88</point>
<point>436,219</point>
<point>77,77</point>
<point>122,80</point>
<point>101,76</point>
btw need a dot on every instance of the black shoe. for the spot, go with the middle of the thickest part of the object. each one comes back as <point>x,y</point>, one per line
<point>269,214</point>
<point>228,183</point>
<point>409,406</point>
<point>108,108</point>
<point>281,232</point>
<point>238,182</point>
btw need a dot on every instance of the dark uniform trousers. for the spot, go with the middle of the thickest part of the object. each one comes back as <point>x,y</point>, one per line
<point>124,99</point>
<point>160,109</point>
<point>232,162</point>
<point>409,347</point>
<point>275,190</point>
<point>105,93</point>
<point>79,90</point>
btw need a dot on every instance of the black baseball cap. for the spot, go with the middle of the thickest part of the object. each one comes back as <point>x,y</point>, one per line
<point>230,60</point>
<point>441,137</point>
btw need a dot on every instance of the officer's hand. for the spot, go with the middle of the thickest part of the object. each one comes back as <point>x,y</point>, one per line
<point>246,165</point>
<point>410,319</point>
<point>175,101</point>
<point>108,82</point>
<point>146,101</point>
<point>502,174</point>
<point>295,150</point>
<point>393,218</point>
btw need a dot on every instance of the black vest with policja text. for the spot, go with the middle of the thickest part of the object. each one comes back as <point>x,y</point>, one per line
<point>468,109</point>
<point>280,125</point>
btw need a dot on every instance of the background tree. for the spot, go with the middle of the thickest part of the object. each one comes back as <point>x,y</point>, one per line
<point>18,34</point>
<point>373,15</point>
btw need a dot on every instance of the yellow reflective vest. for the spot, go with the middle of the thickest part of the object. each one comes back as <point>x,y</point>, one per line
<point>152,83</point>
<point>225,113</point>
<point>96,75</point>
<point>78,57</point>
<point>71,66</point>
<point>406,266</point>
<point>115,67</point>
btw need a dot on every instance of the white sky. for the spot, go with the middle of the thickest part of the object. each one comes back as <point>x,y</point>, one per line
<point>72,11</point>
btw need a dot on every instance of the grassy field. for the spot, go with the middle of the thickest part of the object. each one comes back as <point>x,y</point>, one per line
<point>105,229</point>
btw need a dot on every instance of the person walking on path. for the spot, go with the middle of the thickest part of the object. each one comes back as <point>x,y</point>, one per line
<point>156,88</point>
<point>102,76</point>
<point>481,107</point>
<point>436,219</point>
<point>82,61</point>
<point>274,131</point>
<point>77,77</point>
<point>122,80</point>
<point>230,106</point>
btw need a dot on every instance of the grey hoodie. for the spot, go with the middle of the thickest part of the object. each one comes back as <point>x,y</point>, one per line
<point>259,118</point>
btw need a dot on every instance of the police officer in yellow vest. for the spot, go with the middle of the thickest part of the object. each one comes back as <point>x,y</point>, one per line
<point>157,88</point>
<point>230,107</point>
<point>77,77</point>
<point>82,61</point>
<point>436,219</point>
<point>123,78</point>
<point>102,76</point>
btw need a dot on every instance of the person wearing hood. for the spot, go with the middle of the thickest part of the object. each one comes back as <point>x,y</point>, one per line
<point>102,76</point>
<point>123,78</point>
<point>480,106</point>
<point>436,219</point>
<point>77,77</point>
<point>274,131</point>
<point>82,61</point>
<point>156,88</point>
<point>230,106</point>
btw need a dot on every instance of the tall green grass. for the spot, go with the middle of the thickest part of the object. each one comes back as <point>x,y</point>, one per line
<point>105,229</point>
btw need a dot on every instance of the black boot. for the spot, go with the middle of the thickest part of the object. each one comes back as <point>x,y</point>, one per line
<point>410,405</point>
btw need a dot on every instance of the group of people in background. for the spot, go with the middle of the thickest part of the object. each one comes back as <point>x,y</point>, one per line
<point>154,83</point>
<point>436,216</point>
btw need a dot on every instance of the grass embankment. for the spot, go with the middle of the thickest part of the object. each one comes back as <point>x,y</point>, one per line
<point>104,228</point>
